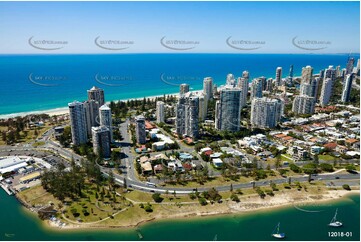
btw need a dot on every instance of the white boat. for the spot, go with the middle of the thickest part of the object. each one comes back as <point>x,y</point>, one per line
<point>276,232</point>
<point>334,222</point>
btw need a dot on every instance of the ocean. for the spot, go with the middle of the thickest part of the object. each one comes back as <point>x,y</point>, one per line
<point>44,82</point>
<point>19,224</point>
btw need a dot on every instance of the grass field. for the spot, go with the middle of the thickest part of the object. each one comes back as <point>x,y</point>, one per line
<point>326,157</point>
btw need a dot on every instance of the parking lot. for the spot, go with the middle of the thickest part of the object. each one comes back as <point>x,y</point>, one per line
<point>29,176</point>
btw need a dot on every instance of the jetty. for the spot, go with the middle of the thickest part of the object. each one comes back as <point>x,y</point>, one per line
<point>7,189</point>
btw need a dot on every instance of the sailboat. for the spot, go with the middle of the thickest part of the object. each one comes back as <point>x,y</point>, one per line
<point>276,232</point>
<point>334,222</point>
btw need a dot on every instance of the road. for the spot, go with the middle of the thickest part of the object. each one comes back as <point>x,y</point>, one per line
<point>133,182</point>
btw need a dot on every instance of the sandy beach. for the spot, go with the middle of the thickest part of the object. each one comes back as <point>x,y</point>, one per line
<point>65,110</point>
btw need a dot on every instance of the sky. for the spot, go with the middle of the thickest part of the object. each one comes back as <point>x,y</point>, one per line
<point>179,27</point>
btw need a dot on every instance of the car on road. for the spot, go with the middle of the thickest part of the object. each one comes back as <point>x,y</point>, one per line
<point>337,177</point>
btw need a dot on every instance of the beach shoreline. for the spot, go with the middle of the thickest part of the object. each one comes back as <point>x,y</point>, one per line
<point>254,204</point>
<point>65,110</point>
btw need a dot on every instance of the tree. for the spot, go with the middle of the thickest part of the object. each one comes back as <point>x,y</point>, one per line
<point>235,198</point>
<point>148,208</point>
<point>213,195</point>
<point>346,187</point>
<point>295,168</point>
<point>260,192</point>
<point>202,201</point>
<point>350,167</point>
<point>278,162</point>
<point>157,198</point>
<point>192,196</point>
<point>326,167</point>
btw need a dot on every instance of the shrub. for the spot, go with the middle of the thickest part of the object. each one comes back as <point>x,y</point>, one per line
<point>202,201</point>
<point>295,168</point>
<point>192,196</point>
<point>157,198</point>
<point>260,192</point>
<point>286,185</point>
<point>269,192</point>
<point>235,198</point>
<point>326,167</point>
<point>346,187</point>
<point>148,208</point>
<point>350,167</point>
<point>239,191</point>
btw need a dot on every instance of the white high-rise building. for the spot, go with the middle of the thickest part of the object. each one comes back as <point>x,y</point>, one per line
<point>245,74</point>
<point>231,81</point>
<point>347,86</point>
<point>228,111</point>
<point>243,86</point>
<point>202,108</point>
<point>349,66</point>
<point>307,73</point>
<point>101,141</point>
<point>303,104</point>
<point>208,88</point>
<point>187,115</point>
<point>105,116</point>
<point>140,132</point>
<point>278,76</point>
<point>314,87</point>
<point>326,92</point>
<point>183,88</point>
<point>78,123</point>
<point>266,112</point>
<point>96,94</point>
<point>92,115</point>
<point>269,85</point>
<point>256,88</point>
<point>338,71</point>
<point>160,112</point>
<point>330,73</point>
<point>305,89</point>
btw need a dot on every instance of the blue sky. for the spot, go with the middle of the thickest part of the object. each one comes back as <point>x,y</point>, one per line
<point>258,27</point>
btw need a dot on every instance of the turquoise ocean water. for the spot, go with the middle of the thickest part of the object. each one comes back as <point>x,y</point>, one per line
<point>43,82</point>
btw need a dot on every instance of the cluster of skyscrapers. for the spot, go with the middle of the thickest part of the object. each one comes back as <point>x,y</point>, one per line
<point>305,102</point>
<point>266,112</point>
<point>192,108</point>
<point>92,119</point>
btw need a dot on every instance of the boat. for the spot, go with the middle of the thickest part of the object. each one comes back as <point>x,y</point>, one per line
<point>9,235</point>
<point>140,236</point>
<point>334,222</point>
<point>276,232</point>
